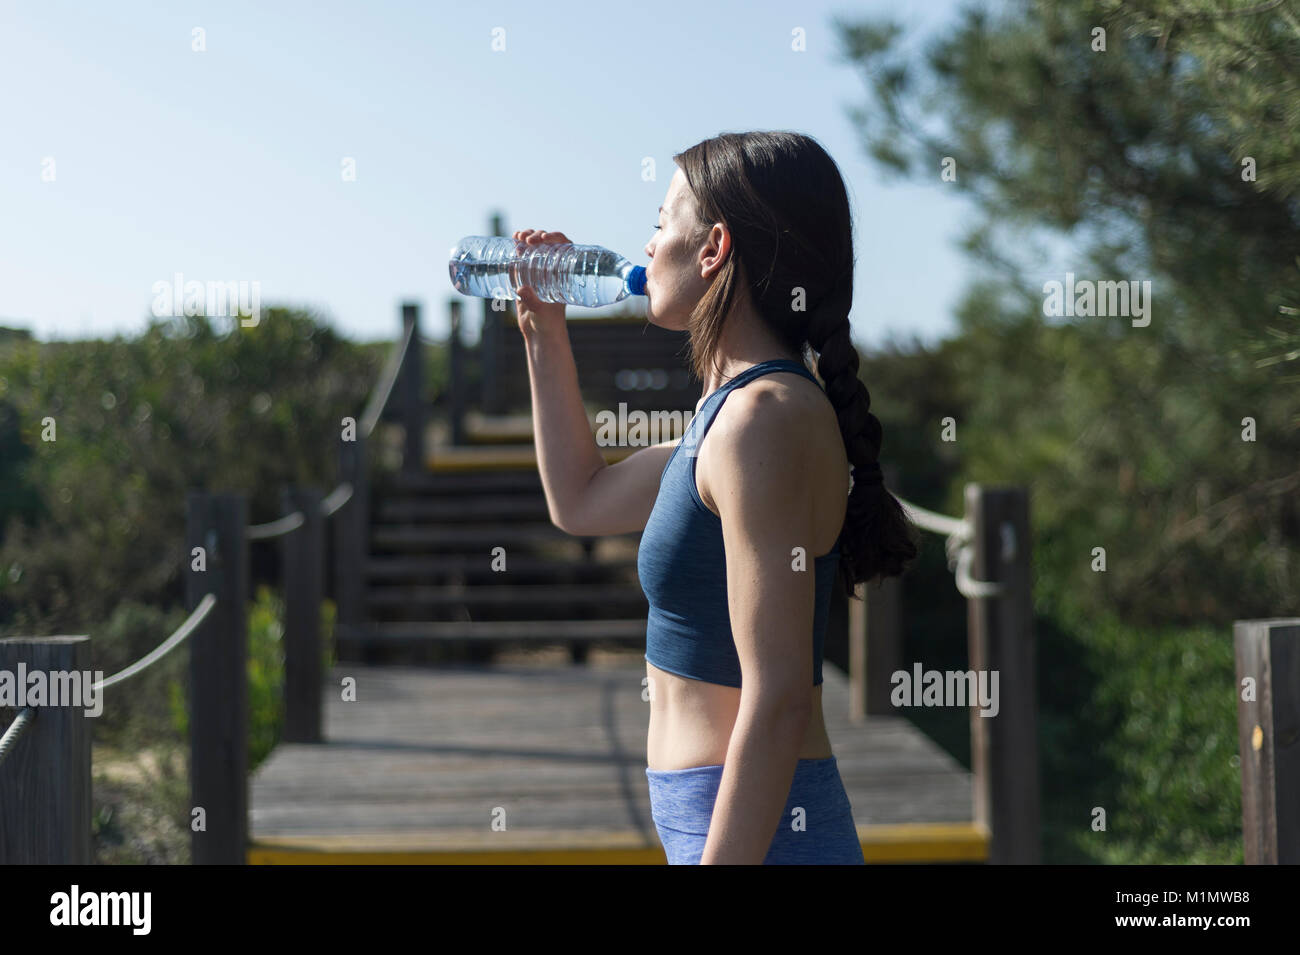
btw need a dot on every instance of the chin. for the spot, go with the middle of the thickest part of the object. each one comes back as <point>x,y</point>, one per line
<point>666,322</point>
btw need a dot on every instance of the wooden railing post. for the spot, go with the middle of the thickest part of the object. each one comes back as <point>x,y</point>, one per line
<point>303,576</point>
<point>490,345</point>
<point>883,651</point>
<point>350,530</point>
<point>875,639</point>
<point>1004,748</point>
<point>411,384</point>
<point>218,678</point>
<point>1268,733</point>
<point>45,780</point>
<point>456,376</point>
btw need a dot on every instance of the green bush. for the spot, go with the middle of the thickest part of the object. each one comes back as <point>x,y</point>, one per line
<point>1149,734</point>
<point>265,674</point>
<point>97,516</point>
<point>137,710</point>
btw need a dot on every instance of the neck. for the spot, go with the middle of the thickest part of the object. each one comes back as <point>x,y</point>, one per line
<point>745,342</point>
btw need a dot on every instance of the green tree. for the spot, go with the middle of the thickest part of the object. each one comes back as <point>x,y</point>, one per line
<point>1121,163</point>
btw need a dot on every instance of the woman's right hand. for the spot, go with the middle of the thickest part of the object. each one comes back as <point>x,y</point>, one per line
<point>533,313</point>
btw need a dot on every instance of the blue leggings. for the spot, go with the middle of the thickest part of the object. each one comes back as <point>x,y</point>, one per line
<point>681,804</point>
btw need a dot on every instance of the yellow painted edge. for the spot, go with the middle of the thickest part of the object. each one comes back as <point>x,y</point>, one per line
<point>925,842</point>
<point>477,436</point>
<point>905,842</point>
<point>461,459</point>
<point>259,855</point>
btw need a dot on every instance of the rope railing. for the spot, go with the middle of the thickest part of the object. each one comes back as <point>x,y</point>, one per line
<point>290,522</point>
<point>275,528</point>
<point>958,544</point>
<point>167,646</point>
<point>343,493</point>
<point>27,714</point>
<point>384,387</point>
<point>15,730</point>
<point>937,523</point>
<point>369,418</point>
<point>283,525</point>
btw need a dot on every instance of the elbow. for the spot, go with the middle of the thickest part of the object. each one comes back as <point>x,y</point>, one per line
<point>571,518</point>
<point>567,522</point>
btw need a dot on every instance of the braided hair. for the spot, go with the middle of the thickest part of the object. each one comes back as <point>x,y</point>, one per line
<point>784,200</point>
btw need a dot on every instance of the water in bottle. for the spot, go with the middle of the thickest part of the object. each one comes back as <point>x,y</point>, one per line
<point>588,275</point>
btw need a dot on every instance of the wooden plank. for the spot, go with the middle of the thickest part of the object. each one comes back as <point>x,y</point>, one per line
<point>458,509</point>
<point>623,598</point>
<point>478,567</point>
<point>532,630</point>
<point>518,428</point>
<point>484,536</point>
<point>493,457</point>
<point>469,482</point>
<point>414,768</point>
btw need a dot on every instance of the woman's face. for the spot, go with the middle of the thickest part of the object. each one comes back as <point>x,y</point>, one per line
<point>680,268</point>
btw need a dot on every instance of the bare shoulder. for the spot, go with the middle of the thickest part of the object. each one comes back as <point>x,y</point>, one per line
<point>781,411</point>
<point>783,407</point>
<point>767,410</point>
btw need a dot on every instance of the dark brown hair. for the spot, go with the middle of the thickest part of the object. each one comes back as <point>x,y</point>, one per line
<point>783,199</point>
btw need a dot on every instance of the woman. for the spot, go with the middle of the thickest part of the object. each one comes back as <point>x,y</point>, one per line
<point>743,532</point>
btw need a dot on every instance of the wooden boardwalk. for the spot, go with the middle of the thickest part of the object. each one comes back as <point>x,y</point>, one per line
<point>416,769</point>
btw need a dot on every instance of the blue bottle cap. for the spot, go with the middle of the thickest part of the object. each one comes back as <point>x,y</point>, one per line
<point>636,280</point>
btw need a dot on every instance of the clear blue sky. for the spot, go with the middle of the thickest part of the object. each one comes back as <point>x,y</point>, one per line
<point>226,164</point>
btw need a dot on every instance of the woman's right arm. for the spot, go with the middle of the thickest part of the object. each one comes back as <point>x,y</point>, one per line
<point>584,495</point>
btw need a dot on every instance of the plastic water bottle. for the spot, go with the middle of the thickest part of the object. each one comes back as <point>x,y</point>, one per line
<point>587,275</point>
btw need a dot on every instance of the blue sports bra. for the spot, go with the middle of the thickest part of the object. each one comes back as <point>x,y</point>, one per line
<point>682,564</point>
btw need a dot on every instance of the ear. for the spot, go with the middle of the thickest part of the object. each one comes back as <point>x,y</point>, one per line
<point>715,251</point>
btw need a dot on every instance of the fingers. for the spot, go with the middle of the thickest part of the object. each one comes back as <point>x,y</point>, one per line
<point>539,236</point>
<point>528,298</point>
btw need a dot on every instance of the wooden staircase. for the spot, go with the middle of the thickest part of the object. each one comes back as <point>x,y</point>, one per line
<point>460,563</point>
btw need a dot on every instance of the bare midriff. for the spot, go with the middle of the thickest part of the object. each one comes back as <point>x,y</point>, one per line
<point>691,722</point>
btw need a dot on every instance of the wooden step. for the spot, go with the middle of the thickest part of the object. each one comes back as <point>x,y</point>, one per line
<point>532,631</point>
<point>481,507</point>
<point>518,429</point>
<point>472,537</point>
<point>466,459</point>
<point>478,567</point>
<point>480,482</point>
<point>624,598</point>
